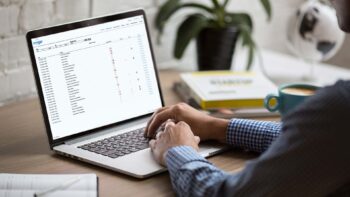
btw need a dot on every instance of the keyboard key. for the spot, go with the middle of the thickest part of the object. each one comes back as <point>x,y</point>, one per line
<point>134,149</point>
<point>126,151</point>
<point>94,149</point>
<point>105,141</point>
<point>143,146</point>
<point>111,139</point>
<point>113,156</point>
<point>85,147</point>
<point>119,153</point>
<point>92,145</point>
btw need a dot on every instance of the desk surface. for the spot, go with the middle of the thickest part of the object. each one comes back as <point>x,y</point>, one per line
<point>24,149</point>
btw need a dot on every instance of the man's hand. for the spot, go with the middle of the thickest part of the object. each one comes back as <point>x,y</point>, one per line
<point>202,125</point>
<point>178,134</point>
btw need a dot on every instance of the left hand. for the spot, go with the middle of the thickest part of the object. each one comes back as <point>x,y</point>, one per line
<point>201,124</point>
<point>179,134</point>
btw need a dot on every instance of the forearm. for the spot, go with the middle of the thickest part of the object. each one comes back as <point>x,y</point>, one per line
<point>251,134</point>
<point>191,174</point>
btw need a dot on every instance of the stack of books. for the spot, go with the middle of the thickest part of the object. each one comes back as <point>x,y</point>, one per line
<point>226,94</point>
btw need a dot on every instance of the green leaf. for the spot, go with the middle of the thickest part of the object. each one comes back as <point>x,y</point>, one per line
<point>169,8</point>
<point>239,19</point>
<point>188,30</point>
<point>245,26</point>
<point>251,49</point>
<point>225,3</point>
<point>267,6</point>
<point>216,4</point>
<point>247,41</point>
<point>165,12</point>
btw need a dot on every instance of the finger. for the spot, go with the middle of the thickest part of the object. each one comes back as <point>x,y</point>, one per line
<point>183,124</point>
<point>170,120</point>
<point>152,144</point>
<point>159,135</point>
<point>150,120</point>
<point>158,120</point>
<point>168,125</point>
<point>162,127</point>
<point>197,139</point>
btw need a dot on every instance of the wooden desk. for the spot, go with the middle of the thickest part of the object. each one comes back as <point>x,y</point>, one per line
<point>24,149</point>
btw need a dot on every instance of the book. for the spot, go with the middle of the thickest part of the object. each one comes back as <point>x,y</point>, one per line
<point>227,89</point>
<point>23,185</point>
<point>226,113</point>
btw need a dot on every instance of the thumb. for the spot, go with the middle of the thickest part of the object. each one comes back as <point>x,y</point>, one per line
<point>152,144</point>
<point>197,139</point>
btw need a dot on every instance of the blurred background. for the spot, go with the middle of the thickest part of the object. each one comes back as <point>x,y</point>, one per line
<point>19,16</point>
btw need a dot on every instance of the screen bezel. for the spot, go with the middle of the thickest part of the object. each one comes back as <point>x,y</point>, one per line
<point>76,25</point>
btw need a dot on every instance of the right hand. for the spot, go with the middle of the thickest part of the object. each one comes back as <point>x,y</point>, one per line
<point>178,134</point>
<point>202,125</point>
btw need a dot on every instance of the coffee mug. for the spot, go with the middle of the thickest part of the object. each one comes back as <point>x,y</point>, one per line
<point>289,96</point>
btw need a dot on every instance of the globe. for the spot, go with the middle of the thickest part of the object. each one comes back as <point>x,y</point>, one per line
<point>313,32</point>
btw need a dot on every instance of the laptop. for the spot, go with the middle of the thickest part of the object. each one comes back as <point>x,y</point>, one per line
<point>98,86</point>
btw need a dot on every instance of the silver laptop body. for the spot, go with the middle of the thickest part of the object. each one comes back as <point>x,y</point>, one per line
<point>97,82</point>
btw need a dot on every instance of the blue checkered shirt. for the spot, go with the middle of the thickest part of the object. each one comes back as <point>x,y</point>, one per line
<point>189,171</point>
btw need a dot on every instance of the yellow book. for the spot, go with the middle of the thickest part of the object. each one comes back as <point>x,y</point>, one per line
<point>227,89</point>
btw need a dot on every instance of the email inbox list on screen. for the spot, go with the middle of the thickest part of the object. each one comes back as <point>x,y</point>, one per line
<point>97,76</point>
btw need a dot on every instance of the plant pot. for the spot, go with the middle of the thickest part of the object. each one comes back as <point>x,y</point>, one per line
<point>215,48</point>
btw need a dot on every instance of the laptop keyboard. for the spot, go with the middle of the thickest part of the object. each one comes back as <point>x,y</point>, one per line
<point>119,145</point>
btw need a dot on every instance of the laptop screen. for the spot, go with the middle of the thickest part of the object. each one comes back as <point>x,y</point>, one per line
<point>97,75</point>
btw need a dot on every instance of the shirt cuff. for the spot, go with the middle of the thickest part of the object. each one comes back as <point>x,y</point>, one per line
<point>230,132</point>
<point>181,155</point>
<point>252,135</point>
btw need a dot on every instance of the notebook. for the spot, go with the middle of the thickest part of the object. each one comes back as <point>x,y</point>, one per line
<point>227,89</point>
<point>227,113</point>
<point>29,185</point>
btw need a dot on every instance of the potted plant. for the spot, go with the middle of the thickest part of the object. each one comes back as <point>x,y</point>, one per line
<point>215,29</point>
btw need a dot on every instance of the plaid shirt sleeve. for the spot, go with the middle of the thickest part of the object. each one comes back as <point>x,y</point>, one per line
<point>251,134</point>
<point>193,175</point>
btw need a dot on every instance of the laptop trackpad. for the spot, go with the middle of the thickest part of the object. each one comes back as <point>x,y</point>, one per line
<point>210,148</point>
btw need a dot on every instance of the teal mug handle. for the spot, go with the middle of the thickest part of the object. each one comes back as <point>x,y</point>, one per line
<point>267,102</point>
